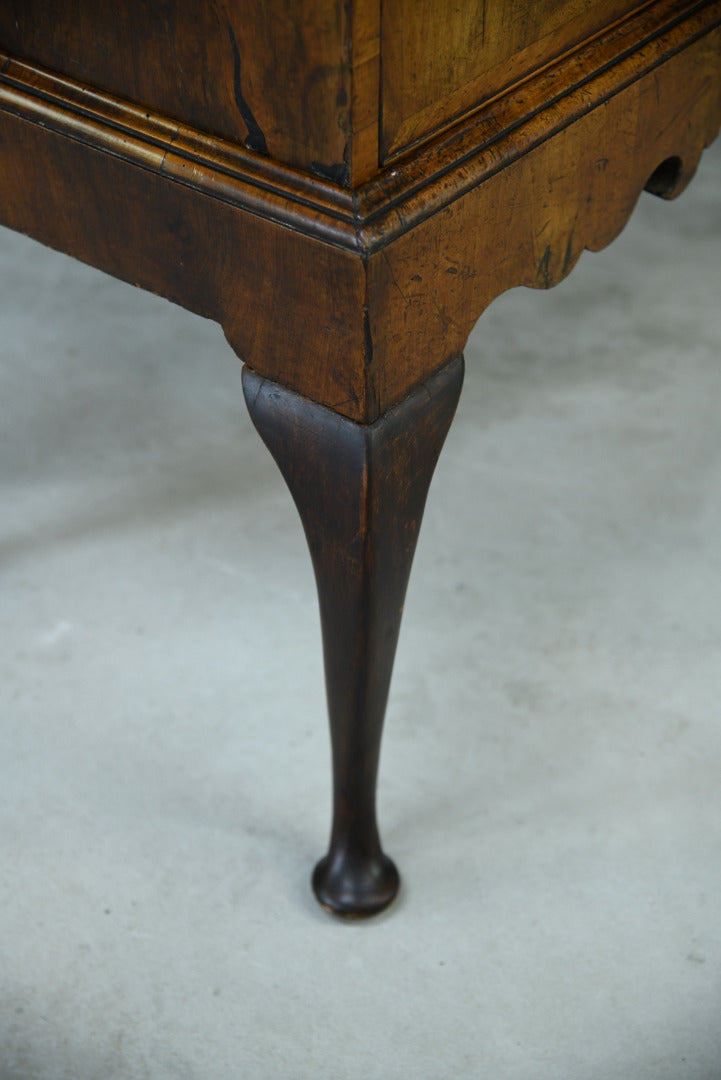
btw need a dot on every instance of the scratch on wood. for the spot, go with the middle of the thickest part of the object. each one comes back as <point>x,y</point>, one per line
<point>544,267</point>
<point>389,265</point>
<point>256,138</point>
<point>568,258</point>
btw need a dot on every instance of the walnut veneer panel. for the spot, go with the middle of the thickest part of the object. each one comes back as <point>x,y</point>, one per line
<point>272,75</point>
<point>441,59</point>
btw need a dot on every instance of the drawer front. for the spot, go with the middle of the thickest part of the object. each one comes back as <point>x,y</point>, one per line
<point>271,75</point>
<point>442,59</point>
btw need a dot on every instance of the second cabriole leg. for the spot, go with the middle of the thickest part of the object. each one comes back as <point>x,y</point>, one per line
<point>360,491</point>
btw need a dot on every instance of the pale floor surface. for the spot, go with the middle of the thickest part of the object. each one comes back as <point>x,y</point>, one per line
<point>550,775</point>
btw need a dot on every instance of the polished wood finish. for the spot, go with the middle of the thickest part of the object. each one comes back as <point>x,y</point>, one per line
<point>429,80</point>
<point>214,66</point>
<point>345,186</point>
<point>360,490</point>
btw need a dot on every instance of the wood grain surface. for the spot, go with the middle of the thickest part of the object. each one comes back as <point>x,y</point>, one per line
<point>441,59</point>
<point>273,76</point>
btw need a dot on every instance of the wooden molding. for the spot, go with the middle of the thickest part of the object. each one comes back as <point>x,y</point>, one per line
<point>400,196</point>
<point>218,168</point>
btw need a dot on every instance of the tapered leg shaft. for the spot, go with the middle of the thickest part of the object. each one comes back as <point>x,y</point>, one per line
<point>360,491</point>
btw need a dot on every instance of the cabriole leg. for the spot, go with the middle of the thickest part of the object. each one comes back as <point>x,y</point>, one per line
<point>360,491</point>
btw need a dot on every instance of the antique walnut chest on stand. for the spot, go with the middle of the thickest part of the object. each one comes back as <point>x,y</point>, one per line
<point>345,185</point>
